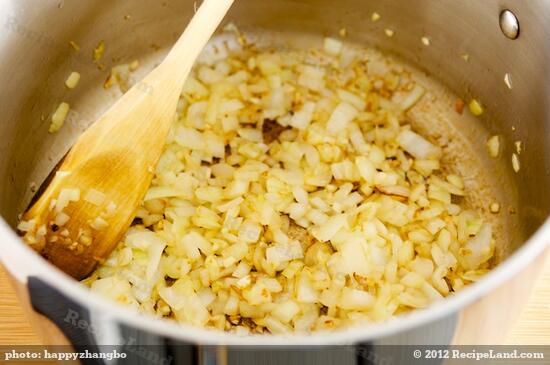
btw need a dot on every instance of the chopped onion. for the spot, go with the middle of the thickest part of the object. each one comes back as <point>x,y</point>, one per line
<point>352,99</point>
<point>286,311</point>
<point>478,249</point>
<point>26,226</point>
<point>417,145</point>
<point>412,97</point>
<point>95,197</point>
<point>475,107</point>
<point>302,118</point>
<point>72,80</point>
<point>61,219</point>
<point>332,46</point>
<point>493,145</point>
<point>515,162</point>
<point>353,299</point>
<point>341,117</point>
<point>65,197</point>
<point>58,117</point>
<point>291,196</point>
<point>330,228</point>
<point>305,290</point>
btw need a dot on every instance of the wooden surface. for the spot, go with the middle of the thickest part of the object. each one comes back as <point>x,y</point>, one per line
<point>15,328</point>
<point>533,327</point>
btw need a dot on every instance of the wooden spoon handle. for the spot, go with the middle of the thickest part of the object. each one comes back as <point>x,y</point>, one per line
<point>195,37</point>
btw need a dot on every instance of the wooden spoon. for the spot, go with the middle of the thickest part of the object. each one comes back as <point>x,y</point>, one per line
<point>92,199</point>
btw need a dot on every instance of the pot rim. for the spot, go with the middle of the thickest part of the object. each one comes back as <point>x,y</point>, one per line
<point>120,313</point>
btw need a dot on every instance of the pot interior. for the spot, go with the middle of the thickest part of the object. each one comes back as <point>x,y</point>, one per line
<point>36,58</point>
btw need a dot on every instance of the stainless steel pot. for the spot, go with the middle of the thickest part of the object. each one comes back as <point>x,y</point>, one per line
<point>35,58</point>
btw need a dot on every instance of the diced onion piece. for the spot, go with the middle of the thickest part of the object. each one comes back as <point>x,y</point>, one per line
<point>493,146</point>
<point>61,174</point>
<point>366,169</point>
<point>283,252</point>
<point>286,311</point>
<point>332,46</point>
<point>515,162</point>
<point>475,107</point>
<point>275,326</point>
<point>327,230</point>
<point>341,117</point>
<point>190,138</point>
<point>99,223</point>
<point>26,226</point>
<point>417,145</point>
<point>41,231</point>
<point>353,259</point>
<point>302,118</point>
<point>193,242</point>
<point>257,294</point>
<point>236,251</point>
<point>209,193</point>
<point>249,232</point>
<point>194,88</point>
<point>95,197</point>
<point>478,249</point>
<point>395,190</point>
<point>154,251</point>
<point>98,51</point>
<point>412,97</point>
<point>158,192</point>
<point>111,208</point>
<point>58,117</point>
<point>113,287</point>
<point>352,99</point>
<point>305,291</point>
<point>65,197</point>
<point>518,146</point>
<point>312,78</point>
<point>508,80</point>
<point>353,299</point>
<point>72,80</point>
<point>231,106</point>
<point>61,219</point>
<point>206,296</point>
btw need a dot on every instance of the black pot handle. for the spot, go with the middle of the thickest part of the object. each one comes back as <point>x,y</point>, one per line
<point>70,317</point>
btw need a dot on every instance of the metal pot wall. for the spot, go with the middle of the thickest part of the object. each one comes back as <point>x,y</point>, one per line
<point>35,58</point>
